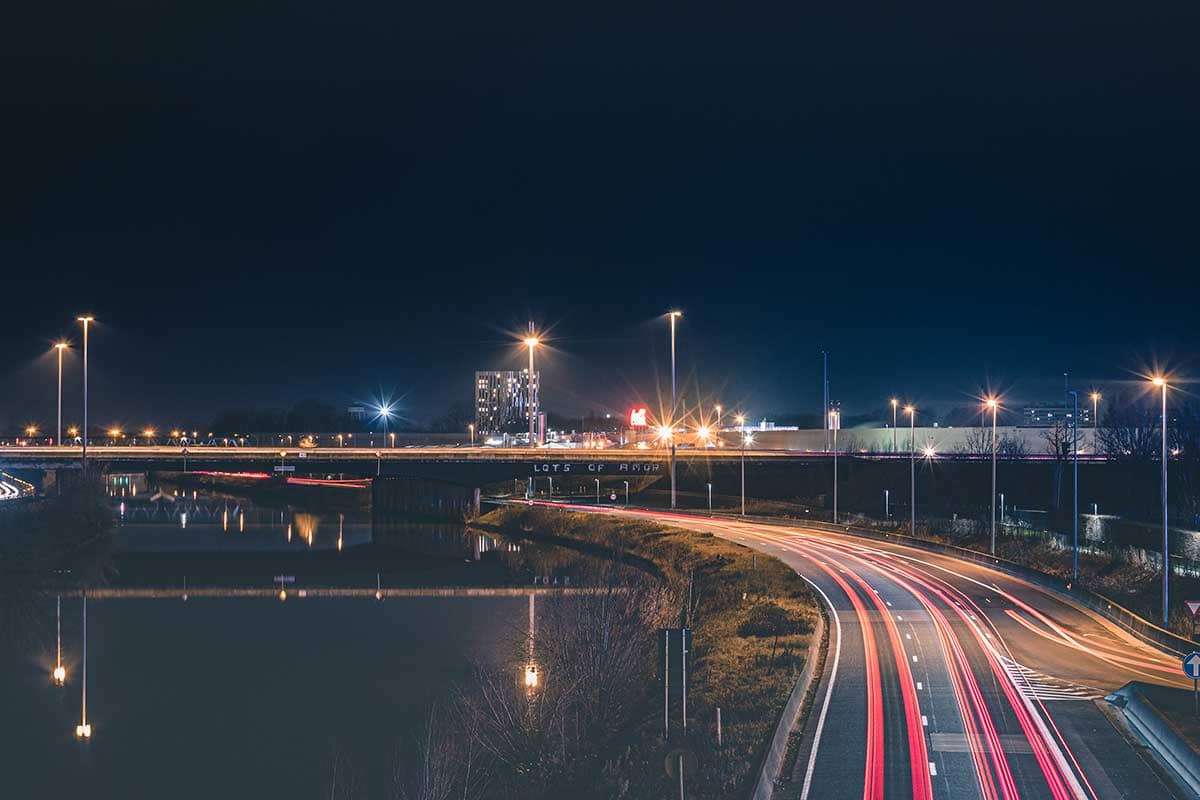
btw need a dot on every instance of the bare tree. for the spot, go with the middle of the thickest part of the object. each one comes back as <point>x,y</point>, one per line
<point>1130,431</point>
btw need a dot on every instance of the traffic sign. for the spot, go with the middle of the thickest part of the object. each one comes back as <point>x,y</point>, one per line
<point>1191,665</point>
<point>1193,606</point>
<point>288,468</point>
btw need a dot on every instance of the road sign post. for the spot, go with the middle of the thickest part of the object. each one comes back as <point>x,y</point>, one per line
<point>1191,668</point>
<point>1193,607</point>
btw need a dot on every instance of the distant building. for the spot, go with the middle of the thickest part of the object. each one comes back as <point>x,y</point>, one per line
<point>1047,415</point>
<point>502,400</point>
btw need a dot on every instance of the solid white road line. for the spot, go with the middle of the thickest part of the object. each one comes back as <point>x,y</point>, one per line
<point>837,655</point>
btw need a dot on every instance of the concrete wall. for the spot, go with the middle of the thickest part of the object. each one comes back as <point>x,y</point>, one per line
<point>423,498</point>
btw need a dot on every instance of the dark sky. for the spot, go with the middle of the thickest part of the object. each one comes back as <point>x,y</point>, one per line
<point>266,201</point>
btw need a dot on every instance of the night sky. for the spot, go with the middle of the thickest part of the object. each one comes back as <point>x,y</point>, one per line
<point>270,201</point>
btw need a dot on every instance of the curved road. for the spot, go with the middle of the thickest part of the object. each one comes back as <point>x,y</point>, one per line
<point>948,679</point>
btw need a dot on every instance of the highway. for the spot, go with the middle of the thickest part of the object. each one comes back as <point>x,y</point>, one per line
<point>947,679</point>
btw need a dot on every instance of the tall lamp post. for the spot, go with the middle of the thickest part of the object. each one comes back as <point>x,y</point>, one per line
<point>835,424</point>
<point>531,342</point>
<point>471,428</point>
<point>673,315</point>
<point>1075,483</point>
<point>912,467</point>
<point>741,421</point>
<point>60,347</point>
<point>994,406</point>
<point>895,405</point>
<point>1161,382</point>
<point>1095,397</point>
<point>86,320</point>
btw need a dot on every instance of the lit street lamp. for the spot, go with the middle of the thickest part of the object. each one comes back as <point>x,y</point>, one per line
<point>673,315</point>
<point>1095,396</point>
<point>1075,482</point>
<point>835,424</point>
<point>531,342</point>
<point>1161,382</point>
<point>471,428</point>
<point>994,406</point>
<point>86,320</point>
<point>741,421</point>
<point>912,467</point>
<point>60,347</point>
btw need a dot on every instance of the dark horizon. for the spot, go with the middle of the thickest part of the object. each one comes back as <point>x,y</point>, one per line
<point>265,205</point>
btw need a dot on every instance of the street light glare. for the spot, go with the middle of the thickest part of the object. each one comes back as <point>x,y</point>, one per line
<point>1158,380</point>
<point>531,341</point>
<point>991,402</point>
<point>909,409</point>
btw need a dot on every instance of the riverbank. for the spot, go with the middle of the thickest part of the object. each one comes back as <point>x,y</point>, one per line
<point>752,619</point>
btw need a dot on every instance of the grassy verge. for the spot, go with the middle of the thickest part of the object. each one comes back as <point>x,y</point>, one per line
<point>752,618</point>
<point>1135,585</point>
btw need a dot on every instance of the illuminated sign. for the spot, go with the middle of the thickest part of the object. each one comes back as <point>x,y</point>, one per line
<point>637,417</point>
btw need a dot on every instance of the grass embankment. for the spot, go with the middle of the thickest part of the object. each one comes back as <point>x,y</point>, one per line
<point>739,602</point>
<point>1117,575</point>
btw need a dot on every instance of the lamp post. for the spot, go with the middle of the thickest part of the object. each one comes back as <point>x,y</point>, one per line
<point>673,315</point>
<point>718,420</point>
<point>709,497</point>
<point>531,342</point>
<point>895,405</point>
<point>994,406</point>
<point>60,347</point>
<point>835,424</point>
<point>392,435</point>
<point>741,421</point>
<point>471,428</point>
<point>626,492</point>
<point>1161,382</point>
<point>597,490</point>
<point>86,320</point>
<point>1075,481</point>
<point>912,467</point>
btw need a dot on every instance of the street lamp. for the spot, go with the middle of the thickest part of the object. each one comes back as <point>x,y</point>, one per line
<point>1075,483</point>
<point>531,342</point>
<point>626,492</point>
<point>597,491</point>
<point>86,320</point>
<point>835,424</point>
<point>718,419</point>
<point>912,467</point>
<point>471,428</point>
<point>392,435</point>
<point>60,347</point>
<point>673,315</point>
<point>1161,382</point>
<point>1095,396</point>
<point>895,405</point>
<point>994,406</point>
<point>741,421</point>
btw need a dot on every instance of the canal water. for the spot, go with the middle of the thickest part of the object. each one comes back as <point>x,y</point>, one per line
<point>254,696</point>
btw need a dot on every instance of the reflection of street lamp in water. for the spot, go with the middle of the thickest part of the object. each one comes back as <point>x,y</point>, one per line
<point>60,673</point>
<point>83,730</point>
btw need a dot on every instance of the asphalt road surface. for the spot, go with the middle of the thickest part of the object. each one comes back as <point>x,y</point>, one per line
<point>948,679</point>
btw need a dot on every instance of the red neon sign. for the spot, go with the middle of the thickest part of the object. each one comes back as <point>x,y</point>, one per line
<point>637,417</point>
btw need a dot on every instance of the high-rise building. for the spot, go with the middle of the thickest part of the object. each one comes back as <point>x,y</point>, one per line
<point>502,400</point>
